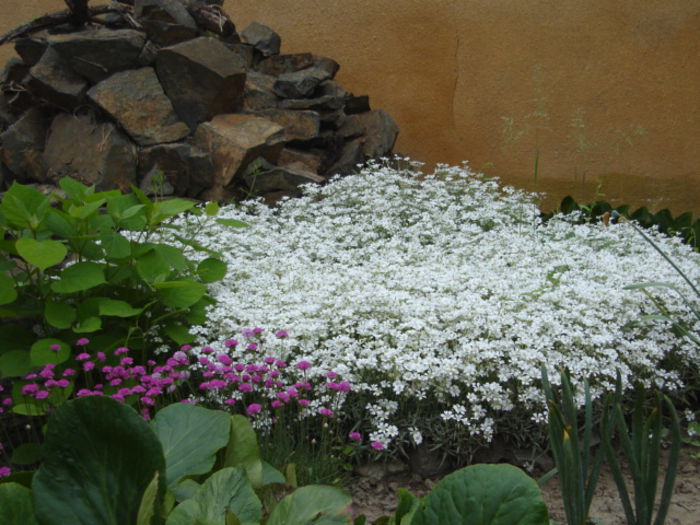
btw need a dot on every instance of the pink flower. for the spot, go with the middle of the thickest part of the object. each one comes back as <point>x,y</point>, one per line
<point>145,413</point>
<point>344,386</point>
<point>207,350</point>
<point>62,383</point>
<point>82,356</point>
<point>276,403</point>
<point>247,332</point>
<point>230,343</point>
<point>82,341</point>
<point>5,472</point>
<point>303,402</point>
<point>54,347</point>
<point>355,436</point>
<point>147,401</point>
<point>42,394</point>
<point>331,375</point>
<point>224,359</point>
<point>253,408</point>
<point>332,386</point>
<point>88,365</point>
<point>121,350</point>
<point>257,330</point>
<point>269,360</point>
<point>327,412</point>
<point>281,334</point>
<point>245,387</point>
<point>30,389</point>
<point>101,357</point>
<point>377,445</point>
<point>185,348</point>
<point>68,372</point>
<point>283,396</point>
<point>126,361</point>
<point>303,365</point>
<point>230,401</point>
<point>251,347</point>
<point>280,364</point>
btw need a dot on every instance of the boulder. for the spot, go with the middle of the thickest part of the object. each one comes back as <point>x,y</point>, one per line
<point>355,105</point>
<point>262,38</point>
<point>309,159</point>
<point>202,78</point>
<point>31,48</point>
<point>211,19</point>
<point>279,64</point>
<point>247,52</point>
<point>53,80</point>
<point>234,140</point>
<point>136,100</point>
<point>166,22</point>
<point>186,168</point>
<point>284,179</point>
<point>103,156</point>
<point>22,144</point>
<point>377,129</point>
<point>258,93</point>
<point>299,84</point>
<point>298,125</point>
<point>329,96</point>
<point>97,53</point>
<point>347,162</point>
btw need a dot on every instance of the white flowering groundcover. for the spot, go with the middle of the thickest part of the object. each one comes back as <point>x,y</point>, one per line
<point>440,297</point>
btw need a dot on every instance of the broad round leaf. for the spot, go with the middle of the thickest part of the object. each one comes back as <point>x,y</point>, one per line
<point>31,407</point>
<point>243,449</point>
<point>15,363</point>
<point>211,270</point>
<point>180,294</point>
<point>190,436</point>
<point>116,308</point>
<point>41,353</point>
<point>8,293</point>
<point>59,315</point>
<point>88,325</point>
<point>317,504</point>
<point>226,490</point>
<point>26,454</point>
<point>16,505</point>
<point>78,277</point>
<point>42,254</point>
<point>100,458</point>
<point>484,495</point>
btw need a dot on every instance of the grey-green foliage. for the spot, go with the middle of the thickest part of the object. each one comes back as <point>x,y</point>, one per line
<point>87,263</point>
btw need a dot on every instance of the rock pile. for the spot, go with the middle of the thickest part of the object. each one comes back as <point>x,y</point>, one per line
<point>166,95</point>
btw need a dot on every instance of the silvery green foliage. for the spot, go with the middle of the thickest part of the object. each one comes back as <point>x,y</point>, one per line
<point>448,289</point>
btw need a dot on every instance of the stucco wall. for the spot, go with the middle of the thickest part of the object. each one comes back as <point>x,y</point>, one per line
<point>588,88</point>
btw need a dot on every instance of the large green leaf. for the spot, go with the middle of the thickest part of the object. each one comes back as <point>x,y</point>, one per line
<point>59,314</point>
<point>24,207</point>
<point>226,490</point>
<point>41,353</point>
<point>211,270</point>
<point>16,505</point>
<point>15,363</point>
<point>313,504</point>
<point>190,436</point>
<point>153,267</point>
<point>180,294</point>
<point>243,449</point>
<point>116,308</point>
<point>115,245</point>
<point>484,495</point>
<point>42,254</point>
<point>100,458</point>
<point>150,503</point>
<point>8,292</point>
<point>78,277</point>
<point>169,208</point>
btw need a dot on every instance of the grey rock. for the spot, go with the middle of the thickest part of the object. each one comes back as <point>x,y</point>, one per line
<point>166,22</point>
<point>186,168</point>
<point>97,53</point>
<point>309,159</point>
<point>31,49</point>
<point>279,64</point>
<point>299,84</point>
<point>427,463</point>
<point>136,100</point>
<point>257,93</point>
<point>53,80</point>
<point>378,129</point>
<point>263,38</point>
<point>213,20</point>
<point>357,105</point>
<point>329,96</point>
<point>286,179</point>
<point>234,140</point>
<point>347,162</point>
<point>202,78</point>
<point>22,144</point>
<point>298,125</point>
<point>103,156</point>
<point>155,183</point>
<point>245,51</point>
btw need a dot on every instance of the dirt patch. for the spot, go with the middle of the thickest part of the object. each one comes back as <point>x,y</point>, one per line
<point>376,497</point>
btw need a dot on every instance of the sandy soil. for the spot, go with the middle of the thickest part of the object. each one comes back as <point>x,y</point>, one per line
<point>374,494</point>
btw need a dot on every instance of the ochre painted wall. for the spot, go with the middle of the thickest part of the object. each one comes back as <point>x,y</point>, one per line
<point>586,88</point>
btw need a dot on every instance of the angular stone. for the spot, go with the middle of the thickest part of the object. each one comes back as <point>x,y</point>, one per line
<point>287,179</point>
<point>258,93</point>
<point>97,53</point>
<point>350,156</point>
<point>263,38</point>
<point>279,64</point>
<point>6,117</point>
<point>234,140</point>
<point>377,128</point>
<point>186,168</point>
<point>300,84</point>
<point>166,22</point>
<point>103,156</point>
<point>246,52</point>
<point>154,183</point>
<point>310,160</point>
<point>332,119</point>
<point>357,105</point>
<point>328,97</point>
<point>136,100</point>
<point>22,144</point>
<point>202,78</point>
<point>31,49</point>
<point>213,20</point>
<point>15,70</point>
<point>53,80</point>
<point>298,125</point>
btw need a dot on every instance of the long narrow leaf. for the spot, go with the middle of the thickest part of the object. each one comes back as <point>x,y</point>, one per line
<point>671,469</point>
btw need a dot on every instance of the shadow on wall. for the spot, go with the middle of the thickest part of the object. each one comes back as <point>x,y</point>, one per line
<point>557,92</point>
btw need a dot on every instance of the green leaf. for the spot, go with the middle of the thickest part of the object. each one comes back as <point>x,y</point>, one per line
<point>26,454</point>
<point>24,207</point>
<point>41,353</point>
<point>226,490</point>
<point>15,363</point>
<point>8,292</point>
<point>271,475</point>
<point>243,449</point>
<point>211,208</point>
<point>211,270</point>
<point>42,254</point>
<point>484,495</point>
<point>79,277</point>
<point>317,504</point>
<point>190,436</point>
<point>169,208</point>
<point>180,294</point>
<point>75,189</point>
<point>173,256</point>
<point>116,308</point>
<point>153,267</point>
<point>100,458</point>
<point>59,315</point>
<point>30,408</point>
<point>16,505</point>
<point>233,223</point>
<point>85,210</point>
<point>115,245</point>
<point>148,508</point>
<point>14,337</point>
<point>87,325</point>
<point>185,489</point>
<point>178,333</point>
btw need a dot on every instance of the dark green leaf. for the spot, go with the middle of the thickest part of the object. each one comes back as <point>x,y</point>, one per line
<point>26,454</point>
<point>148,508</point>
<point>87,325</point>
<point>41,353</point>
<point>211,270</point>
<point>78,277</point>
<point>178,333</point>
<point>24,207</point>
<point>15,363</point>
<point>153,267</point>
<point>16,505</point>
<point>42,254</point>
<point>100,458</point>
<point>315,504</point>
<point>59,315</point>
<point>8,293</point>
<point>180,294</point>
<point>116,308</point>
<point>243,449</point>
<point>74,189</point>
<point>163,210</point>
<point>30,407</point>
<point>271,475</point>
<point>115,245</point>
